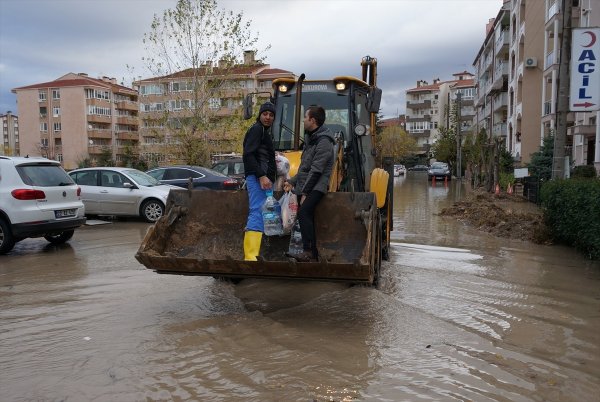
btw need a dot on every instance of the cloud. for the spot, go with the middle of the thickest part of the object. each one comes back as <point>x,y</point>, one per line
<point>42,40</point>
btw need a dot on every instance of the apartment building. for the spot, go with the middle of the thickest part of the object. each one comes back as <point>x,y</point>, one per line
<point>428,106</point>
<point>76,117</point>
<point>9,132</point>
<point>509,76</point>
<point>517,71</point>
<point>165,100</point>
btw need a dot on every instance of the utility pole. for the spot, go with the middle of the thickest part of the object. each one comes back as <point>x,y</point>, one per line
<point>562,107</point>
<point>458,136</point>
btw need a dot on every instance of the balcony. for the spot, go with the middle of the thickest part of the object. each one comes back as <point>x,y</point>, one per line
<point>549,61</point>
<point>500,101</point>
<point>128,135</point>
<point>419,104</point>
<point>129,120</point>
<point>547,108</point>
<point>500,73</point>
<point>425,117</point>
<point>97,149</point>
<point>95,118</point>
<point>95,133</point>
<point>501,42</point>
<point>420,133</point>
<point>582,129</point>
<point>552,11</point>
<point>127,105</point>
<point>499,130</point>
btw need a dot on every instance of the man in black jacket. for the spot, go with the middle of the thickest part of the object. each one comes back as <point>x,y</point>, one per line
<point>260,171</point>
<point>311,182</point>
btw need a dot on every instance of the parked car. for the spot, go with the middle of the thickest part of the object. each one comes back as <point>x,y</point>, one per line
<point>399,170</point>
<point>232,167</point>
<point>418,168</point>
<point>37,198</point>
<point>439,170</point>
<point>201,177</point>
<point>121,192</point>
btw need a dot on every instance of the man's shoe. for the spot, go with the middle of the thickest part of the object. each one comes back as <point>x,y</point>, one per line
<point>305,256</point>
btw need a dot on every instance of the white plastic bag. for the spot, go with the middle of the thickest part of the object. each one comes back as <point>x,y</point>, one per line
<point>289,210</point>
<point>283,170</point>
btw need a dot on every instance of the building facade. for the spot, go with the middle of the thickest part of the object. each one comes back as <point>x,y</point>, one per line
<point>166,101</point>
<point>77,118</point>
<point>517,71</point>
<point>428,107</point>
<point>9,132</point>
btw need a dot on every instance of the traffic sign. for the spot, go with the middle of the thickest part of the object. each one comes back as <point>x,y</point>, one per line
<point>585,70</point>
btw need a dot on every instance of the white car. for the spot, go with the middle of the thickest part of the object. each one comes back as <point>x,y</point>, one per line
<point>37,198</point>
<point>121,192</point>
<point>399,170</point>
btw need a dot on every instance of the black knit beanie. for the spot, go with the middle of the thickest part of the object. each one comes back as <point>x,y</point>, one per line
<point>267,106</point>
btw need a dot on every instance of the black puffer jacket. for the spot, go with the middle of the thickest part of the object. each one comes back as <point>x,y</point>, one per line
<point>316,163</point>
<point>259,153</point>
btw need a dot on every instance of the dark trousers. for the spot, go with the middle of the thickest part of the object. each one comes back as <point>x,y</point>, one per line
<point>306,216</point>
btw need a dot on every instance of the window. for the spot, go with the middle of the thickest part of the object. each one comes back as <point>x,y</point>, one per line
<point>214,103</point>
<point>55,111</point>
<point>44,142</point>
<point>85,178</point>
<point>42,96</point>
<point>43,111</point>
<point>56,94</point>
<point>57,127</point>
<point>151,89</point>
<point>59,157</point>
<point>44,126</point>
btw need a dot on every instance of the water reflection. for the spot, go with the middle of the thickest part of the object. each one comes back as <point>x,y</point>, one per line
<point>459,315</point>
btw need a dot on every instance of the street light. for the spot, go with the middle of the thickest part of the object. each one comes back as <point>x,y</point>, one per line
<point>458,137</point>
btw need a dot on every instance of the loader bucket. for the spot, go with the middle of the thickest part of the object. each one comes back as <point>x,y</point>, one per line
<point>202,233</point>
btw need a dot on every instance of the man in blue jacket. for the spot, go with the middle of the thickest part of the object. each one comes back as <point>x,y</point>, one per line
<point>260,171</point>
<point>312,180</point>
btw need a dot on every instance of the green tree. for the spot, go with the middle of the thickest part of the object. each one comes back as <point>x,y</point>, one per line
<point>199,44</point>
<point>540,164</point>
<point>396,143</point>
<point>444,148</point>
<point>105,158</point>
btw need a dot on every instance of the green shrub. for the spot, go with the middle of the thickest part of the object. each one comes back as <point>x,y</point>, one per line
<point>505,179</point>
<point>572,212</point>
<point>584,171</point>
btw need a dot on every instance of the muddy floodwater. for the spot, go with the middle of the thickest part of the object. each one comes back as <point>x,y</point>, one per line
<point>459,315</point>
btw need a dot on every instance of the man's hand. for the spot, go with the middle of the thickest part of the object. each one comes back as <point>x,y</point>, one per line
<point>287,186</point>
<point>265,183</point>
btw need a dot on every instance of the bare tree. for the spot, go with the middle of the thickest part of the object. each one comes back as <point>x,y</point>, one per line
<point>197,46</point>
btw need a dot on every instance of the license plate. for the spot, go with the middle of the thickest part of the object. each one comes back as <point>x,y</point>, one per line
<point>65,213</point>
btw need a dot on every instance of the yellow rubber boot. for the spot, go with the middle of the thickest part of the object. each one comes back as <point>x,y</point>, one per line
<point>252,245</point>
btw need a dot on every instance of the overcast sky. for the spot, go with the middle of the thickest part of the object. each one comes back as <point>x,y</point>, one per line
<point>41,40</point>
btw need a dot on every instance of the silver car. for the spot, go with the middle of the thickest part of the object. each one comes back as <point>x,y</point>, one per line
<point>121,192</point>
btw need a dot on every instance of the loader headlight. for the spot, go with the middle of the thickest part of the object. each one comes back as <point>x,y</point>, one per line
<point>283,88</point>
<point>360,129</point>
<point>340,86</point>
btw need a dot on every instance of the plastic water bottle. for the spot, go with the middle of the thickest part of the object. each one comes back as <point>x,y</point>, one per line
<point>296,239</point>
<point>271,213</point>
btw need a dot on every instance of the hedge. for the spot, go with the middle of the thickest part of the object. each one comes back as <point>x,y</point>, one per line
<point>572,213</point>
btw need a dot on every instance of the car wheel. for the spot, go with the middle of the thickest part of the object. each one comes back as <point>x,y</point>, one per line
<point>7,241</point>
<point>61,237</point>
<point>152,210</point>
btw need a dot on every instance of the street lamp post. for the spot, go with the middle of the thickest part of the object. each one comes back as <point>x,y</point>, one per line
<point>458,137</point>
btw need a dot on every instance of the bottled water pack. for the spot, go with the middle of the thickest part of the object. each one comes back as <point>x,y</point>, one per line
<point>271,213</point>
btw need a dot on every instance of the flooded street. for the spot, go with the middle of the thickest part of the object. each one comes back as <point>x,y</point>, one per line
<point>459,315</point>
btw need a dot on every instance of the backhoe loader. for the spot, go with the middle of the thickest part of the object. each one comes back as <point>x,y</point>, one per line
<point>202,232</point>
